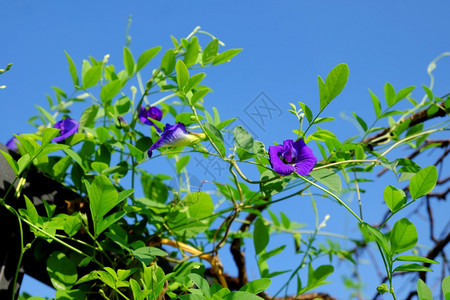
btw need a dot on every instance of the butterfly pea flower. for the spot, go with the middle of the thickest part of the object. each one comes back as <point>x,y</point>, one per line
<point>176,136</point>
<point>12,144</point>
<point>150,112</point>
<point>67,128</point>
<point>292,156</point>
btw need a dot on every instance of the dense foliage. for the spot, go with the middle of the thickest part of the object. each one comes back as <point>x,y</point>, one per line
<point>165,244</point>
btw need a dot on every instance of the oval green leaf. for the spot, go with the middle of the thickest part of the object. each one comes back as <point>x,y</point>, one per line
<point>260,236</point>
<point>403,236</point>
<point>423,182</point>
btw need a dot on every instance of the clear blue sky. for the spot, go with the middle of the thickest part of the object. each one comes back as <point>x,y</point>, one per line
<point>286,45</point>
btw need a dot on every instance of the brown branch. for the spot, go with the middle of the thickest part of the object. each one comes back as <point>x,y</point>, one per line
<point>431,222</point>
<point>440,196</point>
<point>443,143</point>
<point>414,119</point>
<point>238,255</point>
<point>442,181</point>
<point>433,253</point>
<point>441,159</point>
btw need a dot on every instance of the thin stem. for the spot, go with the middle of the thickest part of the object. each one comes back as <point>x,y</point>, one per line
<point>359,195</point>
<point>393,213</point>
<point>19,261</point>
<point>11,209</point>
<point>334,196</point>
<point>234,164</point>
<point>204,130</point>
<point>163,99</point>
<point>409,138</point>
<point>238,186</point>
<point>372,161</point>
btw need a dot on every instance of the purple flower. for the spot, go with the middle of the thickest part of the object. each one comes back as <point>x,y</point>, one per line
<point>12,144</point>
<point>68,127</point>
<point>176,136</point>
<point>146,113</point>
<point>292,156</point>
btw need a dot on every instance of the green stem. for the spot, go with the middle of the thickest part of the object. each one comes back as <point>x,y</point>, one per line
<point>12,210</point>
<point>19,261</point>
<point>234,164</point>
<point>334,196</point>
<point>393,213</point>
<point>372,161</point>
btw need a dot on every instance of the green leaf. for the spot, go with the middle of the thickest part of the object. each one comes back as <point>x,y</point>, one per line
<point>216,136</point>
<point>105,223</point>
<point>376,104</point>
<point>102,197</point>
<point>191,55</point>
<point>194,80</point>
<point>75,157</point>
<point>199,94</point>
<point>256,286</point>
<point>168,62</point>
<point>61,270</point>
<point>47,115</point>
<point>285,221</point>
<point>31,210</point>
<point>72,225</point>
<point>210,52</point>
<point>389,94</point>
<point>48,134</point>
<point>49,148</point>
<point>328,178</point>
<point>135,152</point>
<point>92,76</point>
<point>147,254</point>
<point>110,90</point>
<point>201,283</point>
<point>128,61</point>
<point>380,239</point>
<point>244,154</point>
<point>154,188</point>
<point>423,182</point>
<point>72,69</point>
<point>336,81</point>
<point>191,297</point>
<point>415,258</point>
<point>423,291</point>
<point>242,138</point>
<point>446,287</point>
<point>307,111</point>
<point>182,74</point>
<point>124,194</point>
<point>12,163</point>
<point>260,236</point>
<point>428,92</point>
<point>403,93</point>
<point>147,56</point>
<point>412,267</point>
<point>275,185</point>
<point>403,236</point>
<point>321,273</point>
<point>241,296</point>
<point>395,198</point>
<point>360,121</point>
<point>181,163</point>
<point>59,168</point>
<point>323,93</point>
<point>88,116</point>
<point>99,166</point>
<point>225,56</point>
<point>200,205</point>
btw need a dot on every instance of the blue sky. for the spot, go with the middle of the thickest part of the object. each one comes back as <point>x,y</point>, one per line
<point>285,46</point>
